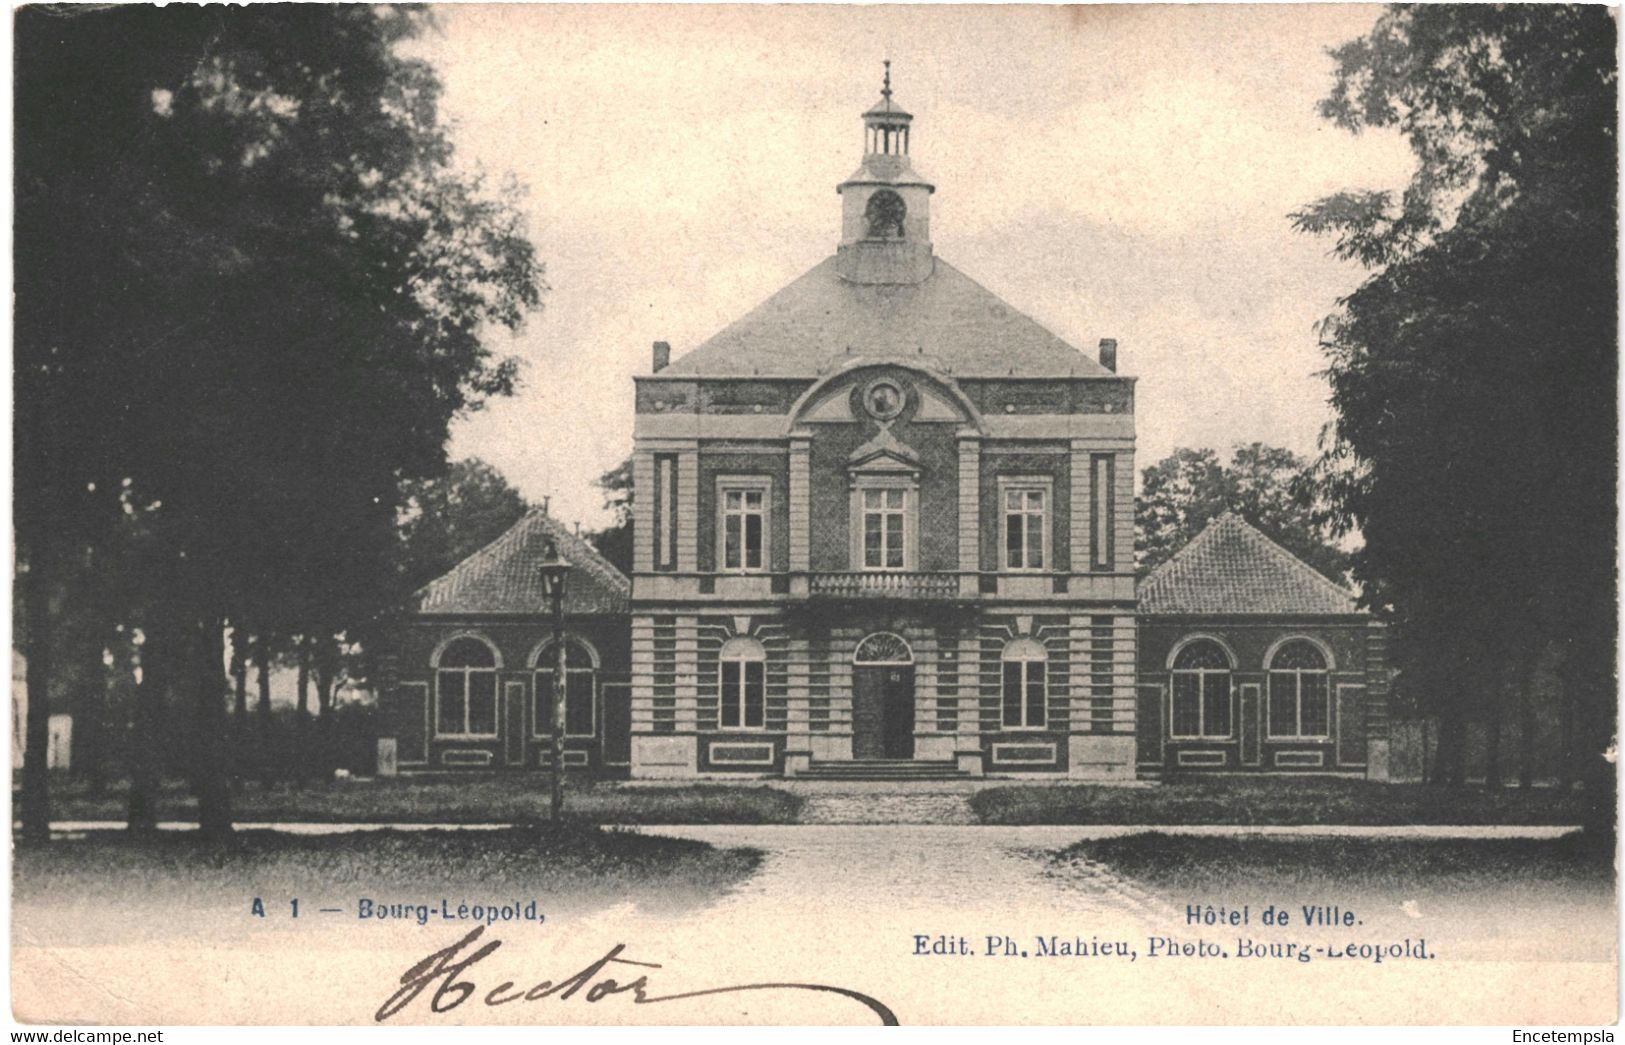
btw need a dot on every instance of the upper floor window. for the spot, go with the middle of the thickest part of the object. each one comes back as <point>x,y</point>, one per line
<point>1201,691</point>
<point>743,684</point>
<point>1300,698</point>
<point>885,528</point>
<point>743,533</point>
<point>580,689</point>
<point>466,689</point>
<point>1024,686</point>
<point>1026,523</point>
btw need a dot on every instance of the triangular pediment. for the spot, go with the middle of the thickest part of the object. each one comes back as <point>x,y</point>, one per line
<point>884,453</point>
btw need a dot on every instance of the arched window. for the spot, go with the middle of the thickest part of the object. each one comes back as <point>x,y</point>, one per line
<point>1025,662</point>
<point>884,213</point>
<point>742,683</point>
<point>883,648</point>
<point>1201,691</point>
<point>1300,704</point>
<point>466,689</point>
<point>580,688</point>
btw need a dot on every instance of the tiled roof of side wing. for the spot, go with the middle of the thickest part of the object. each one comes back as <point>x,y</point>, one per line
<point>1232,568</point>
<point>502,577</point>
<point>949,318</point>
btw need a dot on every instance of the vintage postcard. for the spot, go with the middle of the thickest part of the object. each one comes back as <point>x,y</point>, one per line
<point>846,515</point>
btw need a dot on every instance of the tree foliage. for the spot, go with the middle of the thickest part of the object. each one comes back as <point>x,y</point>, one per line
<point>252,293</point>
<point>1186,490</point>
<point>447,518</point>
<point>614,542</point>
<point>1473,372</point>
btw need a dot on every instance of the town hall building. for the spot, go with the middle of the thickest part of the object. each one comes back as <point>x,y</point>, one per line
<point>884,529</point>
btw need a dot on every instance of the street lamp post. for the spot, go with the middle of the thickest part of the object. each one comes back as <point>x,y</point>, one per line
<point>554,568</point>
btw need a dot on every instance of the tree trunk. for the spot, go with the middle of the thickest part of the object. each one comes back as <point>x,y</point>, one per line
<point>267,756</point>
<point>207,684</point>
<point>1429,769</point>
<point>302,716</point>
<point>1591,680</point>
<point>1493,686</point>
<point>1565,742</point>
<point>239,710</point>
<point>90,729</point>
<point>325,658</point>
<point>149,702</point>
<point>1452,744</point>
<point>36,782</point>
<point>1526,723</point>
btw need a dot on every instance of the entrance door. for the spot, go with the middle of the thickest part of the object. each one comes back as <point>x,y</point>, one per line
<point>897,712</point>
<point>868,702</point>
<point>883,712</point>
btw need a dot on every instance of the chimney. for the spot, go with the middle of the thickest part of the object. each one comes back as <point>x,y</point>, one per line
<point>547,499</point>
<point>1108,353</point>
<point>662,355</point>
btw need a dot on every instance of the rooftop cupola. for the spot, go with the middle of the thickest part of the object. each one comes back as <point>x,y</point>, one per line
<point>886,125</point>
<point>885,204</point>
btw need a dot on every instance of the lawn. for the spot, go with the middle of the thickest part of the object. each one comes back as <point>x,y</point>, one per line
<point>475,798</point>
<point>1490,899</point>
<point>1252,867</point>
<point>88,887</point>
<point>1274,801</point>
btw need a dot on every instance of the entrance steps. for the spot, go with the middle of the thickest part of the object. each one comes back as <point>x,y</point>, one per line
<point>895,769</point>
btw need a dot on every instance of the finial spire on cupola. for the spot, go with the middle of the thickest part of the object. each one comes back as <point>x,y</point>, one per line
<point>886,204</point>
<point>886,124</point>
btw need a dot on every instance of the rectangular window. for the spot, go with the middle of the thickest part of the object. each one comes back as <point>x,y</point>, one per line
<point>1299,704</point>
<point>1313,713</point>
<point>743,692</point>
<point>453,707</point>
<point>665,509</point>
<point>1216,706</point>
<point>1201,705</point>
<point>743,533</point>
<point>884,514</point>
<point>1103,469</point>
<point>1026,528</point>
<point>1024,694</point>
<point>1186,720</point>
<point>468,703</point>
<point>578,703</point>
<point>482,703</point>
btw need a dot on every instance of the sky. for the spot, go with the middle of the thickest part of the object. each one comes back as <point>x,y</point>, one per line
<point>1112,171</point>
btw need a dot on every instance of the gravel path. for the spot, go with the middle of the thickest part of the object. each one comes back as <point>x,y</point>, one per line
<point>900,807</point>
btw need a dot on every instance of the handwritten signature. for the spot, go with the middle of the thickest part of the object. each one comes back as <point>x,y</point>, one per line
<point>449,965</point>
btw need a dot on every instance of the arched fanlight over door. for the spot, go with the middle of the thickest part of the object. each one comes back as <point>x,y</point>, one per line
<point>883,648</point>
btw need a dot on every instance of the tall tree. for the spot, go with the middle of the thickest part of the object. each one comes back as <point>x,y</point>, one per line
<point>252,292</point>
<point>447,517</point>
<point>1184,491</point>
<point>1473,372</point>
